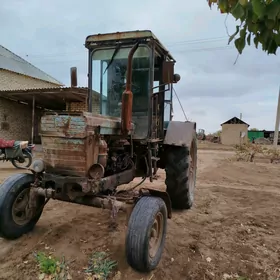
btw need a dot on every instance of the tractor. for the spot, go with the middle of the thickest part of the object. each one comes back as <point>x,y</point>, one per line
<point>88,155</point>
<point>201,134</point>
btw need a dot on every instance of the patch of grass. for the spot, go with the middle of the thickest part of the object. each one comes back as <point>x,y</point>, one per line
<point>100,266</point>
<point>51,267</point>
<point>47,264</point>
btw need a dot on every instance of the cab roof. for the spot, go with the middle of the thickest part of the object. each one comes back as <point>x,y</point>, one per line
<point>126,36</point>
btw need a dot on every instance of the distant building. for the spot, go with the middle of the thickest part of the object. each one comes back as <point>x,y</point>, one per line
<point>234,131</point>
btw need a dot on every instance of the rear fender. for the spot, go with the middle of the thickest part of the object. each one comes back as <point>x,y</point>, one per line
<point>162,194</point>
<point>180,133</point>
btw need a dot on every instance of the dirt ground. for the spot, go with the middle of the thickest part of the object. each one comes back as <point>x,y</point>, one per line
<point>231,232</point>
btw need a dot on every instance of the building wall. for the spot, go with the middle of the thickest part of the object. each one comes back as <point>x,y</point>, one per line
<point>14,81</point>
<point>231,133</point>
<point>255,134</point>
<point>15,120</point>
<point>82,106</point>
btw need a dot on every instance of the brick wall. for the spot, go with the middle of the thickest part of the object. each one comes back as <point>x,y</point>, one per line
<point>82,106</point>
<point>10,81</point>
<point>15,120</point>
<point>77,106</point>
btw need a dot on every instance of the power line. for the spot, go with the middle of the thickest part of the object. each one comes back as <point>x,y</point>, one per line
<point>190,42</point>
<point>49,61</point>
<point>170,44</point>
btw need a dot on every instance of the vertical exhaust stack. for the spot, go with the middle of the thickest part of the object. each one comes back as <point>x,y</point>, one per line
<point>127,96</point>
<point>73,77</point>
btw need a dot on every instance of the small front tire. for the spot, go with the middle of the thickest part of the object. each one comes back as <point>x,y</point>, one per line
<point>15,219</point>
<point>146,234</point>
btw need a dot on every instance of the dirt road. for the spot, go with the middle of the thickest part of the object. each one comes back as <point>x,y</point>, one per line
<point>233,229</point>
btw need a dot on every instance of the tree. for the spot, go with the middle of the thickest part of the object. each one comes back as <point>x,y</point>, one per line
<point>217,133</point>
<point>253,129</point>
<point>259,21</point>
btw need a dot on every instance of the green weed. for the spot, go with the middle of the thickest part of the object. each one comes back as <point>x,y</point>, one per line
<point>47,264</point>
<point>100,265</point>
<point>51,267</point>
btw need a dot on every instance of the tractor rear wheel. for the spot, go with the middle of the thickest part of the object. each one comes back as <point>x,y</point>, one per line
<point>180,168</point>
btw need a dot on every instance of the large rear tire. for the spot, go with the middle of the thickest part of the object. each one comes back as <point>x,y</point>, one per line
<point>180,168</point>
<point>15,219</point>
<point>146,234</point>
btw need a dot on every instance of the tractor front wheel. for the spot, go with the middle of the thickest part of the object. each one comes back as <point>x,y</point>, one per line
<point>16,218</point>
<point>146,234</point>
<point>180,168</point>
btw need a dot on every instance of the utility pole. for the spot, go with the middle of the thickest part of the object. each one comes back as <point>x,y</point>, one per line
<point>276,131</point>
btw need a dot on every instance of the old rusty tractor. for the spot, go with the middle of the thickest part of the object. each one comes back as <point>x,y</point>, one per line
<point>201,134</point>
<point>87,155</point>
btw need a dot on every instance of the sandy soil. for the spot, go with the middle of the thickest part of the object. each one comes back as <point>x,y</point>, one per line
<point>233,229</point>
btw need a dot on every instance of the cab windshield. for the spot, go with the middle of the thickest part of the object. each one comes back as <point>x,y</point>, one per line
<point>109,81</point>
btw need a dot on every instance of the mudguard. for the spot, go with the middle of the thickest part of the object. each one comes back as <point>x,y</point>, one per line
<point>162,194</point>
<point>180,133</point>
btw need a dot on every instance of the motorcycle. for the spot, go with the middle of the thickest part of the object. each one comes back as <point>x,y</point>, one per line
<point>19,153</point>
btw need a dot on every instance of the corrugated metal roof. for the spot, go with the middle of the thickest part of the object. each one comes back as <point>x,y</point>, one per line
<point>51,89</point>
<point>12,62</point>
<point>48,98</point>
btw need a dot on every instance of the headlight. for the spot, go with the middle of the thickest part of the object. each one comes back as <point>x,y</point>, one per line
<point>37,166</point>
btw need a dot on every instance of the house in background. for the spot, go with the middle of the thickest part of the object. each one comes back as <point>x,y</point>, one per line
<point>234,131</point>
<point>26,91</point>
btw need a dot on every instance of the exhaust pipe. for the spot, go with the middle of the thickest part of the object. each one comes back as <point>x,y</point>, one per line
<point>127,96</point>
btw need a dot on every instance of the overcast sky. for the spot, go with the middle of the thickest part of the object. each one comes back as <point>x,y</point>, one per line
<point>50,34</point>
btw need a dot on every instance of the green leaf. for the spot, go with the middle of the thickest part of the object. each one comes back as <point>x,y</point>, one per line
<point>243,32</point>
<point>258,8</point>
<point>223,5</point>
<point>277,38</point>
<point>272,47</point>
<point>253,27</point>
<point>255,18</point>
<point>256,41</point>
<point>249,39</point>
<point>238,11</point>
<point>269,23</point>
<point>272,10</point>
<point>234,34</point>
<point>243,2</point>
<point>240,44</point>
<point>264,36</point>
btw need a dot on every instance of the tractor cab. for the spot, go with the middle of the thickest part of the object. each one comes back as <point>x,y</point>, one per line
<point>150,70</point>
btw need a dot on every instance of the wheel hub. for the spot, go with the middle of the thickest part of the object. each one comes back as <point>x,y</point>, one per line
<point>156,235</point>
<point>21,160</point>
<point>20,211</point>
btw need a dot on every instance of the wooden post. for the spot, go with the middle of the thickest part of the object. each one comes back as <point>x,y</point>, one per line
<point>276,131</point>
<point>33,119</point>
